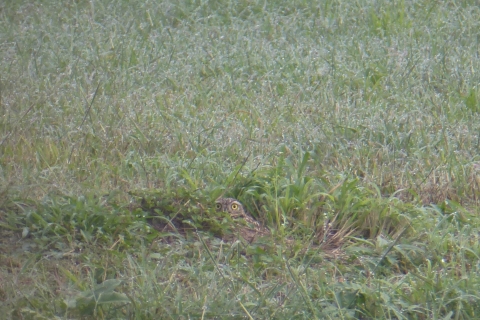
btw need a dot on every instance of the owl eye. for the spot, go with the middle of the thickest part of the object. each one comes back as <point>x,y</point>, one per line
<point>234,206</point>
<point>219,206</point>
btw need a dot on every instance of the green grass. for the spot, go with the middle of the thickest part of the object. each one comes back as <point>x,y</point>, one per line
<point>351,128</point>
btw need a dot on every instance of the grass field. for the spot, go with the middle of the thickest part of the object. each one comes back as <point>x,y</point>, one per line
<point>350,128</point>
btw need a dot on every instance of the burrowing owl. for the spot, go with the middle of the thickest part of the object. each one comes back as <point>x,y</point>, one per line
<point>236,210</point>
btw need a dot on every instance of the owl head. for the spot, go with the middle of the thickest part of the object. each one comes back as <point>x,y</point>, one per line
<point>230,205</point>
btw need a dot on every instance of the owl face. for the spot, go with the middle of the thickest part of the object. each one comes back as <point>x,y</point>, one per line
<point>231,206</point>
<point>236,211</point>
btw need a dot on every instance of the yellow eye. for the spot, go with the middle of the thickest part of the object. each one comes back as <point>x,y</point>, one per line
<point>234,206</point>
<point>219,206</point>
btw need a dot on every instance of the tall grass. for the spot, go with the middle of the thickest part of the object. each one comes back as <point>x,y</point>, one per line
<point>350,127</point>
